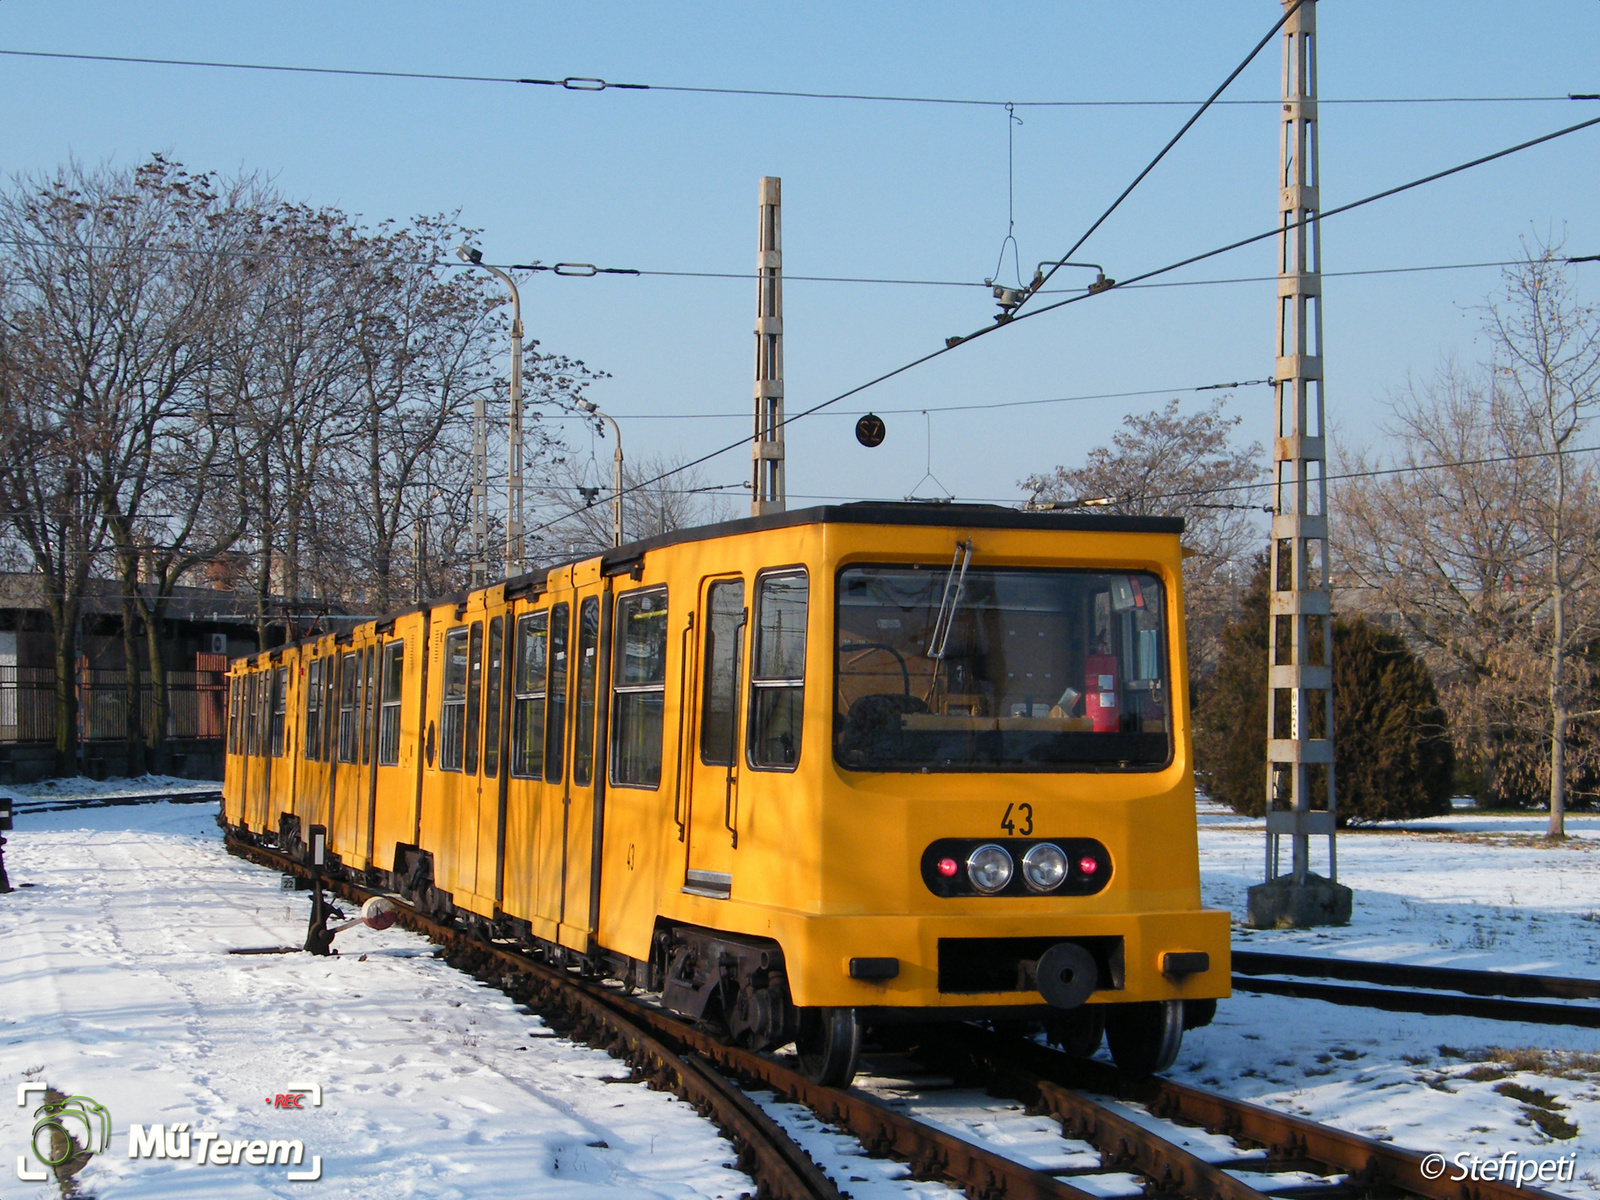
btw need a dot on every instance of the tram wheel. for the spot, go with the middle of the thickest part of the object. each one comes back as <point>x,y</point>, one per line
<point>829,1045</point>
<point>1079,1032</point>
<point>1144,1038</point>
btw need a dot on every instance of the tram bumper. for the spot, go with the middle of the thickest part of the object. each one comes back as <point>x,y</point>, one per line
<point>957,963</point>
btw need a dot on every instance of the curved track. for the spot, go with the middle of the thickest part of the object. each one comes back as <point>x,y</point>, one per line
<point>1144,1127</point>
<point>1445,991</point>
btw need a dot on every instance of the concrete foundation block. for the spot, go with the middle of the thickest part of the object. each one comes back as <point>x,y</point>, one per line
<point>1282,903</point>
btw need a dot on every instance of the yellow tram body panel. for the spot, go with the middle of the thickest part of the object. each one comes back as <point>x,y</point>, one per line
<point>486,738</point>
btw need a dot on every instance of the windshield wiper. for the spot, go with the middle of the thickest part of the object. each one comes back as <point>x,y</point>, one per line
<point>950,601</point>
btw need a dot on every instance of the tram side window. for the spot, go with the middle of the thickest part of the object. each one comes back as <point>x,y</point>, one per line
<point>474,697</point>
<point>233,715</point>
<point>366,706</point>
<point>280,701</point>
<point>313,738</point>
<point>349,676</point>
<point>778,670</point>
<point>639,688</point>
<point>453,704</point>
<point>394,666</point>
<point>491,699</point>
<point>247,717</point>
<point>588,665</point>
<point>527,709</point>
<point>719,712</point>
<point>258,704</point>
<point>330,704</point>
<point>555,724</point>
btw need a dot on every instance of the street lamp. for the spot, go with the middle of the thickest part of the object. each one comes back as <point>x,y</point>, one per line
<point>590,407</point>
<point>514,565</point>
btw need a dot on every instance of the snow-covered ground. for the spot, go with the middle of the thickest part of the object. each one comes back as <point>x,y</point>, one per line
<point>82,791</point>
<point>115,983</point>
<point>1467,890</point>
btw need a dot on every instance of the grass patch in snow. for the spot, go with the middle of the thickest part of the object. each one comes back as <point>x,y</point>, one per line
<point>1526,1060</point>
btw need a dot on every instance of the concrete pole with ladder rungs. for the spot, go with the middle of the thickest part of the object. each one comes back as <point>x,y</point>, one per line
<point>767,490</point>
<point>1299,769</point>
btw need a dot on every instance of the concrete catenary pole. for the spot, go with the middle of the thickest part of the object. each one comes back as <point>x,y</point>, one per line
<point>767,489</point>
<point>1300,780</point>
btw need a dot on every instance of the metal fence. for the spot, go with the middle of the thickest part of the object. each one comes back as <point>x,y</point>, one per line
<point>196,704</point>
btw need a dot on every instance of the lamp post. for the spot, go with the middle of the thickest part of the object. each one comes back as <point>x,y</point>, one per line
<point>514,564</point>
<point>589,407</point>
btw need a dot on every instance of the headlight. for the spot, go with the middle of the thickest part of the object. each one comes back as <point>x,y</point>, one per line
<point>990,868</point>
<point>1044,867</point>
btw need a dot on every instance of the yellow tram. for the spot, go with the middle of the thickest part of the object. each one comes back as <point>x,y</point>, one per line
<point>801,774</point>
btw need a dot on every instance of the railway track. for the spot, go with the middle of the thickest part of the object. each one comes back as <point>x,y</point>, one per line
<point>1435,991</point>
<point>1144,1127</point>
<point>47,804</point>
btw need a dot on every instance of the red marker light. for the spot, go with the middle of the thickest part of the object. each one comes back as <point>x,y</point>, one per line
<point>948,867</point>
<point>1088,865</point>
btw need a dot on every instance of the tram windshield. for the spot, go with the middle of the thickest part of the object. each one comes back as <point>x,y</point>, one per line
<point>941,669</point>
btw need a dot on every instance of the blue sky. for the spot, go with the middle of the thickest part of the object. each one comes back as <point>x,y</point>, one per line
<point>668,181</point>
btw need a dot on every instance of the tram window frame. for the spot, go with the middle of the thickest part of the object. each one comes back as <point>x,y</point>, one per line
<point>280,703</point>
<point>528,693</point>
<point>258,715</point>
<point>719,695</point>
<point>584,720</point>
<point>768,691</point>
<point>453,702</point>
<point>250,715</point>
<point>555,722</point>
<point>469,760</point>
<point>636,734</point>
<point>349,705</point>
<point>312,746</point>
<point>494,668</point>
<point>392,672</point>
<point>233,715</point>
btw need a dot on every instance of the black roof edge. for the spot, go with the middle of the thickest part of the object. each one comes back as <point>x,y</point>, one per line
<point>618,559</point>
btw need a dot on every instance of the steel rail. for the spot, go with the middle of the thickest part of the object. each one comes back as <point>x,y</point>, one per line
<point>1435,1004</point>
<point>602,1015</point>
<point>688,1061</point>
<point>1411,975</point>
<point>1368,1165</point>
<point>780,1167</point>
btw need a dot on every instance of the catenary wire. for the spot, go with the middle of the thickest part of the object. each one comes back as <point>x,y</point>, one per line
<point>1199,112</point>
<point>952,343</point>
<point>575,83</point>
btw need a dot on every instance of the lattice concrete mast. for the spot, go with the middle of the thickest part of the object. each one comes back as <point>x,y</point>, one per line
<point>1300,778</point>
<point>767,490</point>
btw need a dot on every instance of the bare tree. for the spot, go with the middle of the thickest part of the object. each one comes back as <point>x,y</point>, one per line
<point>1480,534</point>
<point>1171,463</point>
<point>582,503</point>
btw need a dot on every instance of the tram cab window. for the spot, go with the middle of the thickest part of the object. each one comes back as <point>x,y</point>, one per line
<point>588,665</point>
<point>1037,670</point>
<point>367,699</point>
<point>724,638</point>
<point>528,692</point>
<point>639,688</point>
<point>393,679</point>
<point>453,701</point>
<point>280,701</point>
<point>778,670</point>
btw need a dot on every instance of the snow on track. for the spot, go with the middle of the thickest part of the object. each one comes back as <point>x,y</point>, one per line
<point>115,982</point>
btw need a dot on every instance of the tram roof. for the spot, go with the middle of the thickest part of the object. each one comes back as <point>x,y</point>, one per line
<point>617,560</point>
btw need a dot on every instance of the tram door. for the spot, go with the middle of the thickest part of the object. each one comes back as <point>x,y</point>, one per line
<point>584,794</point>
<point>713,770</point>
